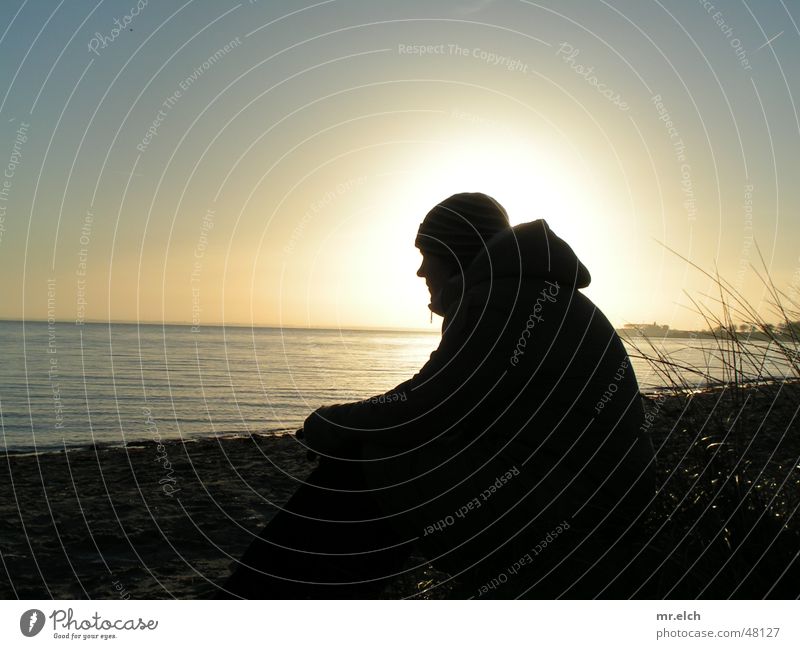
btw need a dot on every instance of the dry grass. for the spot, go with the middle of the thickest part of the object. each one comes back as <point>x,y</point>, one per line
<point>724,523</point>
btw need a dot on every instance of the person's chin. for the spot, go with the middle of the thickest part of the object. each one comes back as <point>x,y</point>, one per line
<point>436,308</point>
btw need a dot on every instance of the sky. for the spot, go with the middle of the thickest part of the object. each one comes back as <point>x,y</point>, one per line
<point>268,163</point>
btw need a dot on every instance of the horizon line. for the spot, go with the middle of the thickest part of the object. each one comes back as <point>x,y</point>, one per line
<point>241,325</point>
<point>222,324</point>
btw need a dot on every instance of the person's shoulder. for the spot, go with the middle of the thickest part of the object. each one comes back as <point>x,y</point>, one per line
<point>511,293</point>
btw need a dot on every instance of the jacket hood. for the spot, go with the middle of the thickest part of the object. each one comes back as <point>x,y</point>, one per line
<point>526,251</point>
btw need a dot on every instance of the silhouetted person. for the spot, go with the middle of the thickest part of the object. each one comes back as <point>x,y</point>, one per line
<point>515,460</point>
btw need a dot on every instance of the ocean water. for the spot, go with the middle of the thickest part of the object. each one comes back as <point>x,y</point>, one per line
<point>63,384</point>
<point>112,384</point>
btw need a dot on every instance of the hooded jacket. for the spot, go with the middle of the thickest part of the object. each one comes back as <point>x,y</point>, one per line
<point>527,416</point>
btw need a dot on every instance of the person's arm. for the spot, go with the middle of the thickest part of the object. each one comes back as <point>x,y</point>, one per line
<point>424,406</point>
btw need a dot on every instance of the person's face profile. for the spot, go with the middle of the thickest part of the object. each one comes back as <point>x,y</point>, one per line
<point>436,270</point>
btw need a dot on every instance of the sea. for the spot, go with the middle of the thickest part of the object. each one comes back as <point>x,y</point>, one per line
<point>65,386</point>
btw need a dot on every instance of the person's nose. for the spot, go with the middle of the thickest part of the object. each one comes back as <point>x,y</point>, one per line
<point>421,269</point>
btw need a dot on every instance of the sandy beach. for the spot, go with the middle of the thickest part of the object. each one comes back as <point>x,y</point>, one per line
<point>166,521</point>
<point>145,521</point>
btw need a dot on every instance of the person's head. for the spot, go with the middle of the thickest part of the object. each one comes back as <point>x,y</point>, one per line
<point>451,235</point>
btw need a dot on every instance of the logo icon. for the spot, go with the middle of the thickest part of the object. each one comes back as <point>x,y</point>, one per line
<point>31,622</point>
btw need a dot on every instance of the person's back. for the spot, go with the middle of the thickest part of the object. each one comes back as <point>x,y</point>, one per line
<point>528,423</point>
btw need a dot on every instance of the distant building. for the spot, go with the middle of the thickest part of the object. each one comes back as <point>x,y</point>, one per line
<point>646,329</point>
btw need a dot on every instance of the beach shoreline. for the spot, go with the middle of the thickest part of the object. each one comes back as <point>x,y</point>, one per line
<point>158,519</point>
<point>168,519</point>
<point>651,394</point>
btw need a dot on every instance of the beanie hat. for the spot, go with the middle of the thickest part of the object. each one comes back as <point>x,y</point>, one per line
<point>461,225</point>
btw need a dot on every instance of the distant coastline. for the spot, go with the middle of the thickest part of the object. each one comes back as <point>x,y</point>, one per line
<point>656,331</point>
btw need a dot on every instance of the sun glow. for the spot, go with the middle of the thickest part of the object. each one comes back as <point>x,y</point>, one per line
<point>529,182</point>
<point>364,268</point>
